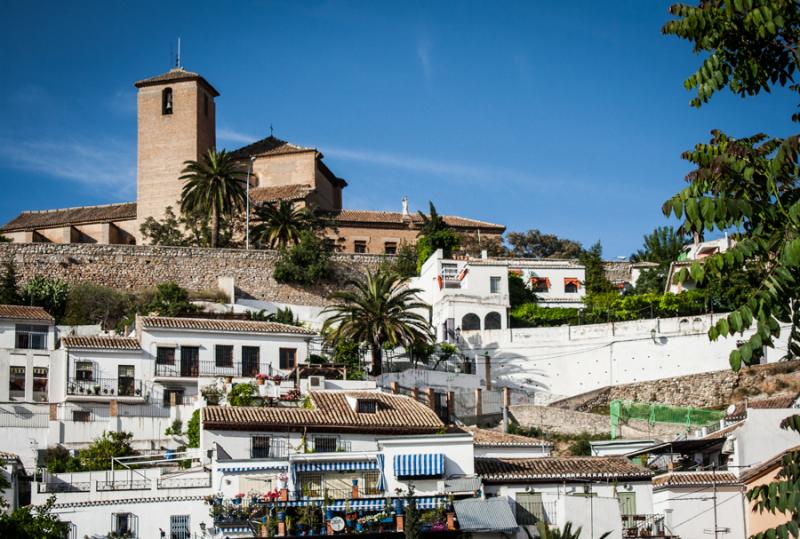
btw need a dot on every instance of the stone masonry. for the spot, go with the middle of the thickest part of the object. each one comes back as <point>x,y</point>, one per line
<point>137,267</point>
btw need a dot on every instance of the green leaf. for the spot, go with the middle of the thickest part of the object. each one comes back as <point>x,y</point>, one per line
<point>735,321</point>
<point>735,360</point>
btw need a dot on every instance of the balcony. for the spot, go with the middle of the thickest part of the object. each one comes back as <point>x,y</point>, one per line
<point>272,448</point>
<point>644,526</point>
<point>198,369</point>
<point>329,445</point>
<point>123,484</point>
<point>104,387</point>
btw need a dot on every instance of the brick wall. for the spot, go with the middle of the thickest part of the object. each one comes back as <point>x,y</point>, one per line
<point>134,267</point>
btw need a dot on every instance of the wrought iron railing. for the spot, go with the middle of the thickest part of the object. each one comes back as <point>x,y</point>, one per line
<point>277,449</point>
<point>643,526</point>
<point>184,482</point>
<point>105,387</point>
<point>123,484</point>
<point>195,369</point>
<point>327,445</point>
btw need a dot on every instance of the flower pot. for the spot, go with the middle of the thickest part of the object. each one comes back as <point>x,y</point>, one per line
<point>237,501</point>
<point>261,381</point>
<point>398,506</point>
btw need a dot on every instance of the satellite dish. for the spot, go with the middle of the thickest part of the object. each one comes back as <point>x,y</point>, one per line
<point>337,524</point>
<point>730,409</point>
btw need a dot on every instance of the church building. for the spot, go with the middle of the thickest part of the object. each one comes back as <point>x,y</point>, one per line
<point>176,117</point>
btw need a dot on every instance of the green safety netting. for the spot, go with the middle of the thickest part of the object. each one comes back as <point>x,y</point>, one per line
<point>660,413</point>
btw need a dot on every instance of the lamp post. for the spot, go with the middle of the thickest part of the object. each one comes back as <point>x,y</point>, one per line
<point>247,203</point>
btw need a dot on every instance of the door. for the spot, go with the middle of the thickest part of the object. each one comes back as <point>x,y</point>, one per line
<point>627,503</point>
<point>250,361</point>
<point>125,381</point>
<point>530,508</point>
<point>190,361</point>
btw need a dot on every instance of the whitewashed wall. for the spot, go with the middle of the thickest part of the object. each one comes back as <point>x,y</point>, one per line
<point>689,512</point>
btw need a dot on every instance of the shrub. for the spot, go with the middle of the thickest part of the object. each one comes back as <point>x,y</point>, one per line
<point>9,291</point>
<point>99,454</point>
<point>171,300</point>
<point>307,262</point>
<point>242,395</point>
<point>193,430</point>
<point>93,304</point>
<point>48,293</point>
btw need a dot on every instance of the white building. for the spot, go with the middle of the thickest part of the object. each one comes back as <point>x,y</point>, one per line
<point>691,253</point>
<point>599,494</point>
<point>27,338</point>
<point>556,283</point>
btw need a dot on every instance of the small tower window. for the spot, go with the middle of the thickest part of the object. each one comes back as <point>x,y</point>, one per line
<point>166,101</point>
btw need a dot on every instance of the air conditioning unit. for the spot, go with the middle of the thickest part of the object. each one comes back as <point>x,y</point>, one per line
<point>316,382</point>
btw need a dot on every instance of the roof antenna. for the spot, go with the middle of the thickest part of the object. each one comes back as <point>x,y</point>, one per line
<point>178,57</point>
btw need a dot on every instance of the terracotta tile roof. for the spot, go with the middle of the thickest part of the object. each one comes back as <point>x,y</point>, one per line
<point>786,400</point>
<point>331,411</point>
<point>32,220</point>
<point>269,146</point>
<point>396,219</point>
<point>767,466</point>
<point>5,455</point>
<point>177,74</point>
<point>215,324</point>
<point>694,479</point>
<point>24,312</point>
<point>723,433</point>
<point>493,438</point>
<point>558,468</point>
<point>280,192</point>
<point>101,342</point>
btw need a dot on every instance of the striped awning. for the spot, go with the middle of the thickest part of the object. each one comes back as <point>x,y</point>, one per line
<point>360,504</point>
<point>344,466</point>
<point>420,465</point>
<point>429,502</point>
<point>253,467</point>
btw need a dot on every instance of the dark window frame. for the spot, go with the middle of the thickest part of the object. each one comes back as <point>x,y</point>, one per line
<point>30,336</point>
<point>223,355</point>
<point>260,446</point>
<point>283,358</point>
<point>168,357</point>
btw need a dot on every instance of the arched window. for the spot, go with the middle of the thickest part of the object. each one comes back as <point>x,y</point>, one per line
<point>166,101</point>
<point>493,320</point>
<point>470,322</point>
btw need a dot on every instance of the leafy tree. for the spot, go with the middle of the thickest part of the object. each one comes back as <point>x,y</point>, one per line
<point>171,300</point>
<point>193,430</point>
<point>435,234</point>
<point>189,230</point>
<point>46,292</point>
<point>33,522</point>
<point>750,184</point>
<point>281,224</point>
<point>306,262</point>
<point>662,246</point>
<point>93,304</point>
<point>4,239</point>
<point>546,532</point>
<point>404,262</point>
<point>472,243</point>
<point>592,260</point>
<point>377,311</point>
<point>57,459</point>
<point>214,187</point>
<point>9,291</point>
<point>518,292</point>
<point>100,452</point>
<point>535,244</point>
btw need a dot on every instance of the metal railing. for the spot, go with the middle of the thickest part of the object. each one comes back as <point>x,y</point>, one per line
<point>58,486</point>
<point>277,449</point>
<point>123,484</point>
<point>105,387</point>
<point>529,513</point>
<point>643,526</point>
<point>197,369</point>
<point>184,482</point>
<point>326,445</point>
<point>334,493</point>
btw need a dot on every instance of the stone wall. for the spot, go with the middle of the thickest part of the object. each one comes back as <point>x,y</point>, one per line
<point>136,267</point>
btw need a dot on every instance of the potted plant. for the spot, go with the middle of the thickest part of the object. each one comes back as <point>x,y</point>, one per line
<point>97,390</point>
<point>237,500</point>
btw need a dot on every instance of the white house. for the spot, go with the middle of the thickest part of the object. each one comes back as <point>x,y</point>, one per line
<point>27,338</point>
<point>599,494</point>
<point>557,283</point>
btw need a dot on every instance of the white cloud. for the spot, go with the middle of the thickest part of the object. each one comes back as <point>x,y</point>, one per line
<point>234,136</point>
<point>109,164</point>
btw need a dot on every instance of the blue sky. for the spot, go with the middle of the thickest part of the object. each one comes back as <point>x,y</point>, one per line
<point>569,117</point>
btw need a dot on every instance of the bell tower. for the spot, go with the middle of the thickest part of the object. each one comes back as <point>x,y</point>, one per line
<point>176,123</point>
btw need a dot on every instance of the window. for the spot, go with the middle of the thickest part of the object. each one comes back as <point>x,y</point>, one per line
<point>371,483</point>
<point>31,337</point>
<point>390,248</point>
<point>179,527</point>
<point>287,358</point>
<point>325,444</point>
<point>540,284</point>
<point>470,322</point>
<point>125,381</point>
<point>81,416</point>
<point>311,484</point>
<point>494,285</point>
<point>224,355</point>
<point>360,247</point>
<point>260,447</point>
<point>493,320</point>
<point>367,406</point>
<point>84,371</point>
<point>190,361</point>
<point>251,358</point>
<point>165,356</point>
<point>571,285</point>
<point>171,395</point>
<point>166,101</point>
<point>40,384</point>
<point>123,524</point>
<point>16,382</point>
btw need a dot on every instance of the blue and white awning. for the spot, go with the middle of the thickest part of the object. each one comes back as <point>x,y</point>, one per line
<point>360,504</point>
<point>430,502</point>
<point>421,465</point>
<point>253,467</point>
<point>344,466</point>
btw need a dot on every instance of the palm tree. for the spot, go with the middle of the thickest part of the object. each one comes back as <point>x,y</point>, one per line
<point>214,186</point>
<point>431,223</point>
<point>546,532</point>
<point>663,245</point>
<point>281,224</point>
<point>378,310</point>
